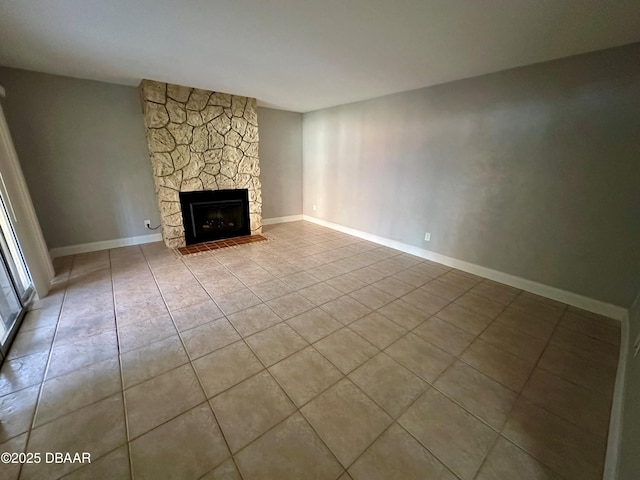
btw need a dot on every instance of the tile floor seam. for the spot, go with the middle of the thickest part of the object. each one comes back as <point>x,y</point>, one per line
<point>495,346</point>
<point>346,327</point>
<point>437,457</point>
<point>44,377</point>
<point>94,460</point>
<point>104,398</point>
<point>431,344</point>
<point>430,314</point>
<point>410,330</point>
<point>252,291</point>
<point>536,366</point>
<point>492,320</point>
<point>165,422</point>
<point>238,383</point>
<point>489,450</point>
<point>466,409</point>
<point>124,398</point>
<point>50,353</point>
<point>394,420</point>
<point>194,369</point>
<point>343,376</point>
<point>87,364</point>
<point>403,411</point>
<point>140,382</point>
<point>226,316</point>
<point>533,454</point>
<point>9,359</point>
<point>299,333</point>
<point>244,308</point>
<point>501,436</point>
<point>549,372</point>
<point>520,395</point>
<point>432,385</point>
<point>439,296</point>
<point>36,382</point>
<point>457,358</point>
<point>594,339</point>
<point>509,329</point>
<point>91,335</point>
<point>265,368</point>
<point>296,409</point>
<point>149,380</point>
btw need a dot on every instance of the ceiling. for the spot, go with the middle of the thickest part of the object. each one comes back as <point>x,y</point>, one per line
<point>304,55</point>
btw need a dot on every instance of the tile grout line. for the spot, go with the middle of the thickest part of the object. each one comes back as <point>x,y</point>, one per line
<point>195,372</point>
<point>79,408</point>
<point>296,408</point>
<point>519,393</point>
<point>124,399</point>
<point>346,377</point>
<point>265,369</point>
<point>93,363</point>
<point>498,432</point>
<point>432,385</point>
<point>44,377</point>
<point>411,330</point>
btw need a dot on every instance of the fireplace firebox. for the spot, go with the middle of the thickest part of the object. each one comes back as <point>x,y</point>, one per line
<point>215,214</point>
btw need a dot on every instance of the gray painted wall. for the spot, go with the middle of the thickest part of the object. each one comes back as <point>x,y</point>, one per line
<point>532,171</point>
<point>83,151</point>
<point>280,162</point>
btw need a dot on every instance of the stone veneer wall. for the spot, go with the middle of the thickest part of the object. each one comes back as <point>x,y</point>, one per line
<point>200,140</point>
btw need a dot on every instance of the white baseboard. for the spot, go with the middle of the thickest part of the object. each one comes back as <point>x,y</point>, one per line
<point>570,298</point>
<point>617,409</point>
<point>612,460</point>
<point>104,245</point>
<point>289,218</point>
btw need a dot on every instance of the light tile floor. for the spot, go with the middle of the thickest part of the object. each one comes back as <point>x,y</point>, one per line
<point>313,355</point>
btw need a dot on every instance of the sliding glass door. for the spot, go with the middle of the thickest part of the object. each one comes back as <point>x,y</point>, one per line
<point>11,250</point>
<point>16,286</point>
<point>10,309</point>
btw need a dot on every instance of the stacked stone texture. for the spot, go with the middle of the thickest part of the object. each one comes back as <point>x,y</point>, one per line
<point>200,140</point>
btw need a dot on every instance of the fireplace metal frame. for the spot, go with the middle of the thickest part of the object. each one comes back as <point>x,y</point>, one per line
<point>196,198</point>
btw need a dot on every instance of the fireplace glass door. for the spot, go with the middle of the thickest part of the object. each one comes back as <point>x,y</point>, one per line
<point>215,214</point>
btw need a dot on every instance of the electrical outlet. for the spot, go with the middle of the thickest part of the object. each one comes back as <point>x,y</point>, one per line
<point>314,208</point>
<point>427,237</point>
<point>147,223</point>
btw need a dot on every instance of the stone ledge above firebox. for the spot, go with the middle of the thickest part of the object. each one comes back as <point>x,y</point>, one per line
<point>200,140</point>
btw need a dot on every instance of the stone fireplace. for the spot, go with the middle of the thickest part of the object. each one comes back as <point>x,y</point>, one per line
<point>200,140</point>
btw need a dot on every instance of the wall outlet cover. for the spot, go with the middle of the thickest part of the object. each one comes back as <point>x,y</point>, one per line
<point>427,237</point>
